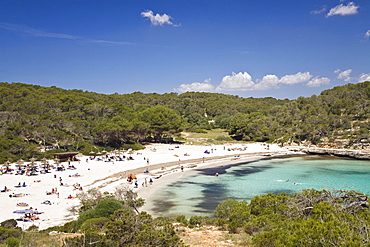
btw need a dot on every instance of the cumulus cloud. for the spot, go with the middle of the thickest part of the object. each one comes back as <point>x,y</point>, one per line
<point>341,9</point>
<point>344,75</point>
<point>206,86</point>
<point>297,78</point>
<point>236,82</point>
<point>267,82</point>
<point>318,81</point>
<point>157,19</point>
<point>367,34</point>
<point>364,77</point>
<point>243,81</point>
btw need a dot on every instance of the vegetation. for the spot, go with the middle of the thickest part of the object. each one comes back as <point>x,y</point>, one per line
<point>308,218</point>
<point>35,118</point>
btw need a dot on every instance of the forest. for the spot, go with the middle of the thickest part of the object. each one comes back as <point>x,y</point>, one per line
<point>35,118</point>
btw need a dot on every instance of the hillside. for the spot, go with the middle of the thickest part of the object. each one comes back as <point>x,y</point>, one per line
<point>34,117</point>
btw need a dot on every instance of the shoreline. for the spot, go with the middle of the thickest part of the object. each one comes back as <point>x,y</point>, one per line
<point>107,176</point>
<point>148,193</point>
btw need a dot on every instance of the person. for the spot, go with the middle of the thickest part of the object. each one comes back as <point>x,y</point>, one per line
<point>150,181</point>
<point>216,175</point>
<point>24,184</point>
<point>182,168</point>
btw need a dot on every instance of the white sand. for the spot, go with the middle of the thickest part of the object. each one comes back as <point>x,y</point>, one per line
<point>99,174</point>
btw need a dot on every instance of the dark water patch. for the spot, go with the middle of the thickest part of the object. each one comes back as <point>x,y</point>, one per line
<point>213,190</point>
<point>212,195</point>
<point>223,168</point>
<point>179,184</point>
<point>163,204</point>
<point>249,170</point>
<point>330,171</point>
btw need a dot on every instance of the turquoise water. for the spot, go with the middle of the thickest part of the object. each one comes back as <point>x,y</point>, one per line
<point>199,192</point>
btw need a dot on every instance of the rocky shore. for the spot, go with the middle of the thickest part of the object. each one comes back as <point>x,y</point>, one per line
<point>350,153</point>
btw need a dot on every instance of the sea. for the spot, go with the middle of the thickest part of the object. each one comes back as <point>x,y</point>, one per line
<point>199,191</point>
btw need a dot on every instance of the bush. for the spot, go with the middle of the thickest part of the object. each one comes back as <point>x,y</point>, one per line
<point>11,223</point>
<point>12,242</point>
<point>104,208</point>
<point>223,138</point>
<point>7,233</point>
<point>182,219</point>
<point>94,225</point>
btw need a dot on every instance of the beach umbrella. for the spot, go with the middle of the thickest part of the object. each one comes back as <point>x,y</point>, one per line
<point>20,164</point>
<point>7,164</point>
<point>32,160</point>
<point>23,211</point>
<point>45,162</point>
<point>33,164</point>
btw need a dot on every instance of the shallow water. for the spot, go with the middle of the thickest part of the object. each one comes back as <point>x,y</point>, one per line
<point>199,192</point>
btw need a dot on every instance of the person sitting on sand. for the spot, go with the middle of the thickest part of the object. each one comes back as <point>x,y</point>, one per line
<point>5,189</point>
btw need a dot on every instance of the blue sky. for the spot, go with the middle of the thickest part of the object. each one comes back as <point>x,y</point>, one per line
<point>259,48</point>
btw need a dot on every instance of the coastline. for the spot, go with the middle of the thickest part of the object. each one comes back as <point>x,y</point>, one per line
<point>149,193</point>
<point>107,176</point>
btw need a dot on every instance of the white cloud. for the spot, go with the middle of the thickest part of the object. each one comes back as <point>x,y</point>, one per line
<point>367,34</point>
<point>316,12</point>
<point>267,82</point>
<point>342,9</point>
<point>364,77</point>
<point>318,81</point>
<point>344,75</point>
<point>157,19</point>
<point>297,78</point>
<point>196,87</point>
<point>236,82</point>
<point>243,81</point>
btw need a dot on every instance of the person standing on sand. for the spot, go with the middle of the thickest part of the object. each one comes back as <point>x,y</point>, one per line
<point>182,168</point>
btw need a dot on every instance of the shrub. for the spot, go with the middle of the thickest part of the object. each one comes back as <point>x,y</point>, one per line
<point>94,225</point>
<point>223,138</point>
<point>11,223</point>
<point>182,219</point>
<point>7,233</point>
<point>12,242</point>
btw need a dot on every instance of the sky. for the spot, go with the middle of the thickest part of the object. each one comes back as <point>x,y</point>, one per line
<point>250,48</point>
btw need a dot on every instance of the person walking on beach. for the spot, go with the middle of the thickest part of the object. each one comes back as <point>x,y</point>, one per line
<point>182,168</point>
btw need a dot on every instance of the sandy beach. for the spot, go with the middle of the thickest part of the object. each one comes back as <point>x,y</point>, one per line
<point>163,163</point>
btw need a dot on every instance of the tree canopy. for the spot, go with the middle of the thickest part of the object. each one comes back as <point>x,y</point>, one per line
<point>33,116</point>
